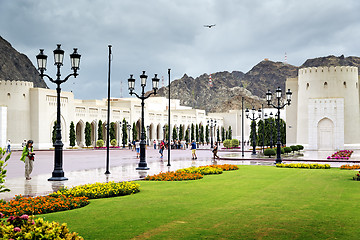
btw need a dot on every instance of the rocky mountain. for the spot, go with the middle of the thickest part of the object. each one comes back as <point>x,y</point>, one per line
<point>17,66</point>
<point>228,88</point>
<point>332,61</point>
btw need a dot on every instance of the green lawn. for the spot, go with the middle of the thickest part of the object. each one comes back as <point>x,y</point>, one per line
<point>254,202</point>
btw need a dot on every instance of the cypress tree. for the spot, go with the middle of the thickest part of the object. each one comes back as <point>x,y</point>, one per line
<point>87,134</point>
<point>72,134</point>
<point>100,131</point>
<point>192,132</point>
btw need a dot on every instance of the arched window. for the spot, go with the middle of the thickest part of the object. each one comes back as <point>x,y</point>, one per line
<point>307,86</point>
<point>344,84</point>
<point>325,84</point>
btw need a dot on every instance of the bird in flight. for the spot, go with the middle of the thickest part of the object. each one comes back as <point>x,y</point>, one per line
<point>210,26</point>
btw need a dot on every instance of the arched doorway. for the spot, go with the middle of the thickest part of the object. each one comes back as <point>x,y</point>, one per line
<point>80,135</point>
<point>325,134</point>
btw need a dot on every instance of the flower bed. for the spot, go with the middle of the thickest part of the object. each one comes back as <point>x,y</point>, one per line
<point>225,167</point>
<point>304,165</point>
<point>39,205</point>
<point>342,154</point>
<point>204,170</point>
<point>174,176</point>
<point>100,190</point>
<point>357,177</point>
<point>191,173</point>
<point>349,167</point>
<point>26,227</point>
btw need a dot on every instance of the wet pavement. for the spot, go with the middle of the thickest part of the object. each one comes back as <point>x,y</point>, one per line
<point>88,166</point>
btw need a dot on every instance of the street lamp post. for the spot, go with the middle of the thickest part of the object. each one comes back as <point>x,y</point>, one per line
<point>253,118</point>
<point>155,83</point>
<point>119,134</point>
<point>129,129</point>
<point>211,132</point>
<point>278,106</point>
<point>58,173</point>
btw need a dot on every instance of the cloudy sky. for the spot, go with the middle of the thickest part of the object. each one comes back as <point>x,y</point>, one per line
<point>155,35</point>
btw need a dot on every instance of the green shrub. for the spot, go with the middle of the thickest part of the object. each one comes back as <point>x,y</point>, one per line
<point>234,143</point>
<point>227,143</point>
<point>287,150</point>
<point>2,169</point>
<point>100,143</point>
<point>294,148</point>
<point>113,142</point>
<point>301,147</point>
<point>282,151</point>
<point>269,152</point>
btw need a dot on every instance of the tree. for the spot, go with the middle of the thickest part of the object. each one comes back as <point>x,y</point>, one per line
<point>87,134</point>
<point>100,131</point>
<point>181,135</point>
<point>166,132</point>
<point>134,133</point>
<point>54,133</point>
<point>187,135</point>
<point>197,133</point>
<point>2,169</point>
<point>226,134</point>
<point>192,132</point>
<point>207,133</point>
<point>253,133</point>
<point>217,135</point>
<point>72,134</point>
<point>124,132</point>
<point>283,132</point>
<point>174,134</point>
<point>112,131</point>
<point>260,133</point>
<point>230,133</point>
<point>201,137</point>
<point>223,137</point>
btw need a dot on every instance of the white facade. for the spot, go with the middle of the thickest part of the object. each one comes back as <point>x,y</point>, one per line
<point>29,113</point>
<point>324,112</point>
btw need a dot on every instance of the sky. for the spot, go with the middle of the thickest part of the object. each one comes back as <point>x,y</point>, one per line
<point>155,35</point>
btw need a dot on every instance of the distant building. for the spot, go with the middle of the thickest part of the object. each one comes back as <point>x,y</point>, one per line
<point>324,111</point>
<point>29,113</point>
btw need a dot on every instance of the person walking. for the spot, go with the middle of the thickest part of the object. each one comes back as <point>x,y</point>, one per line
<point>215,150</point>
<point>154,143</point>
<point>137,147</point>
<point>193,149</point>
<point>162,147</point>
<point>27,156</point>
<point>8,146</point>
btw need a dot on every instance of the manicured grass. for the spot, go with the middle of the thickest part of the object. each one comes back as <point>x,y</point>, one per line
<point>254,202</point>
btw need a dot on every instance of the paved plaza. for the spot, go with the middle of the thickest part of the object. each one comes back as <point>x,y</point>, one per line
<point>88,166</point>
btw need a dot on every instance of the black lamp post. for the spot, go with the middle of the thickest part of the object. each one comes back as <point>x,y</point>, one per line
<point>278,106</point>
<point>155,84</point>
<point>210,123</point>
<point>253,118</point>
<point>119,133</point>
<point>58,173</point>
<point>129,129</point>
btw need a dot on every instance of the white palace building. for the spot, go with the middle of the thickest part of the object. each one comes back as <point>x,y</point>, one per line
<point>29,113</point>
<point>324,113</point>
